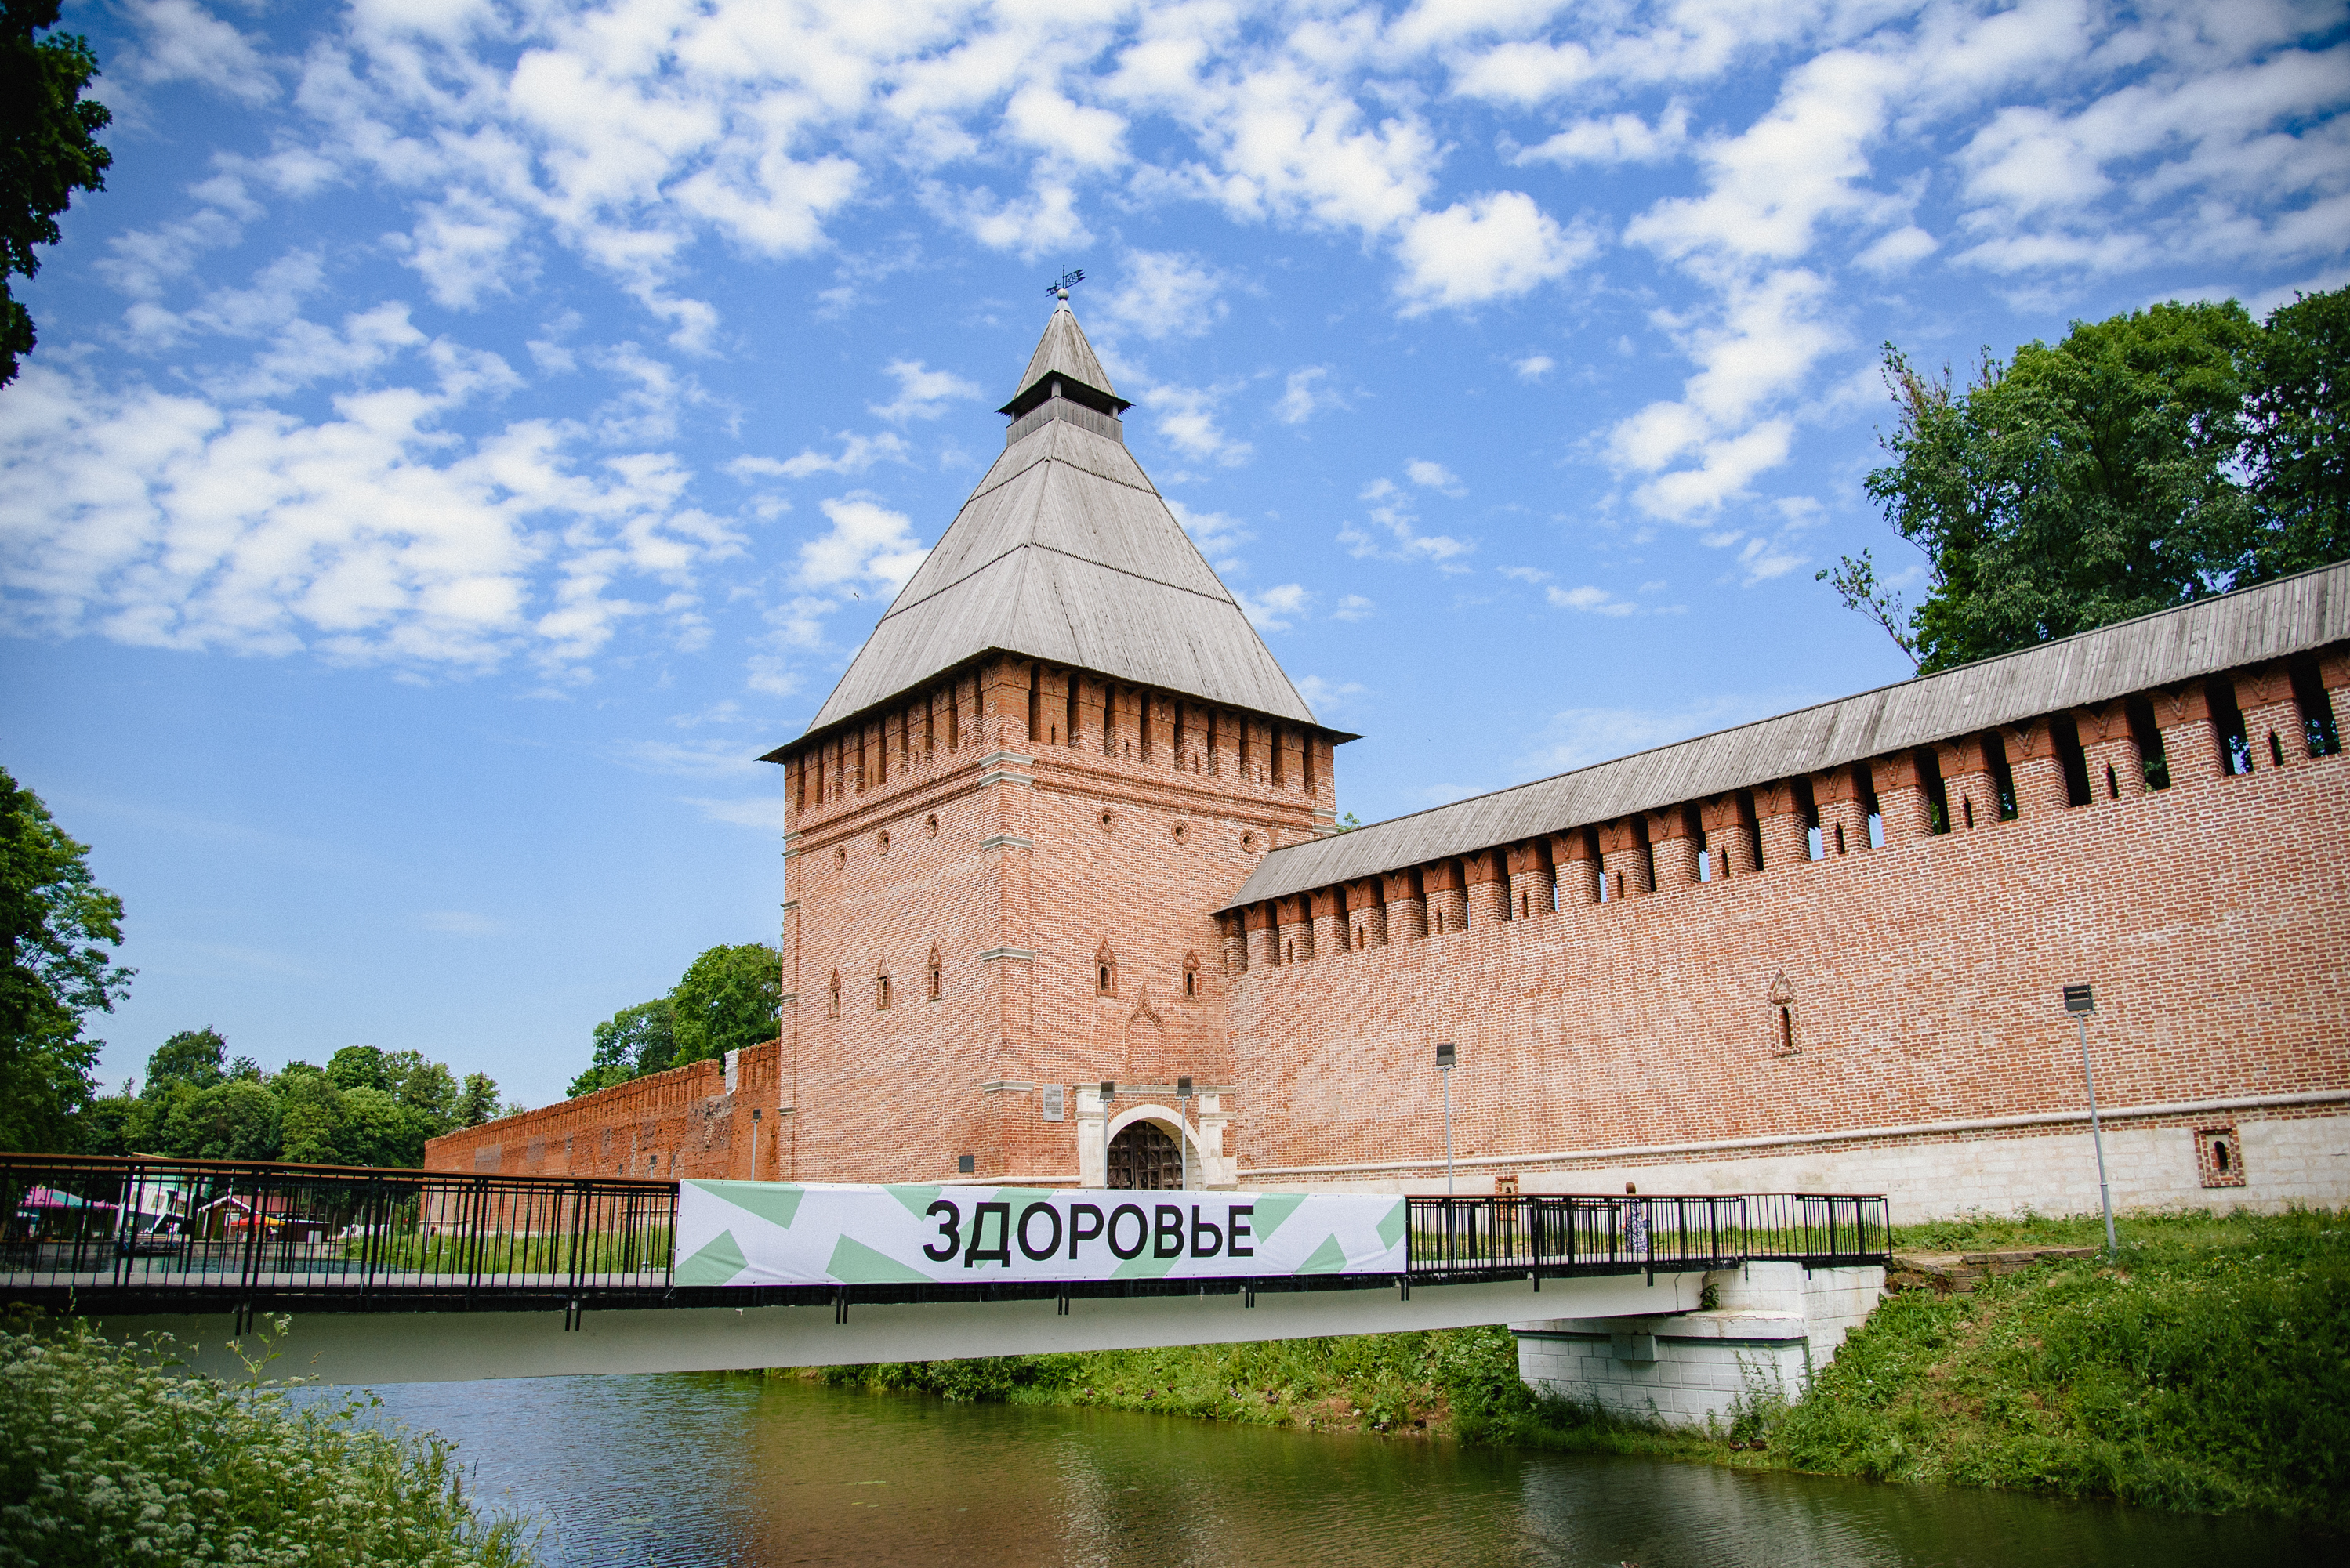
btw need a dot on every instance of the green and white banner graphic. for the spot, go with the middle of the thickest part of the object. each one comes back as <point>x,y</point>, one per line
<point>793,1233</point>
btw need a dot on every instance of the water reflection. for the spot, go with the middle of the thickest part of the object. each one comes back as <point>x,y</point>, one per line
<point>704,1469</point>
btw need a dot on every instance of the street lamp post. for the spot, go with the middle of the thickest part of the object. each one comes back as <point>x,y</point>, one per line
<point>1183,1129</point>
<point>1446,1059</point>
<point>754,1143</point>
<point>2080,1001</point>
<point>1108,1093</point>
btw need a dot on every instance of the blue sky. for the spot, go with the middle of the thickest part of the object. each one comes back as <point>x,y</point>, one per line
<point>464,435</point>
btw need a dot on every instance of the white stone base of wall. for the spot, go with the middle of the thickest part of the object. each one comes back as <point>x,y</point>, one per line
<point>2284,1160</point>
<point>1775,1325</point>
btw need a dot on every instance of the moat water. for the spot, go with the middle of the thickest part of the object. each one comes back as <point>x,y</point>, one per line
<point>629,1471</point>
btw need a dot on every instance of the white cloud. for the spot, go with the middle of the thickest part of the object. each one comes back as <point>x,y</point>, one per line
<point>1533,576</point>
<point>922,393</point>
<point>711,758</point>
<point>1898,250</point>
<point>1490,247</point>
<point>857,453</point>
<point>1533,367</point>
<point>179,40</point>
<point>1403,540</point>
<point>1186,416</point>
<point>766,813</point>
<point>1217,535</point>
<point>1306,394</point>
<point>1326,697</point>
<point>1618,138</point>
<point>1524,73</point>
<point>164,520</point>
<point>1275,608</point>
<point>866,544</point>
<point>1801,164</point>
<point>1354,606</point>
<point>1590,600</point>
<point>1165,294</point>
<point>1434,476</point>
<point>1760,351</point>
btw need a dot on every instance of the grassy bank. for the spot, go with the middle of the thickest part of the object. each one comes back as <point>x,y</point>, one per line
<point>2206,1369</point>
<point>106,1460</point>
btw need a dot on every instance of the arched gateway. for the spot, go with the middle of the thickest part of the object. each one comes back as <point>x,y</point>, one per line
<point>1144,1157</point>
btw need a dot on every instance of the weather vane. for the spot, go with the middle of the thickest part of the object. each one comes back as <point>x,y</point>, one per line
<point>1068,280</point>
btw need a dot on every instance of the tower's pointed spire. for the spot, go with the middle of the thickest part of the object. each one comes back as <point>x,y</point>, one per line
<point>1063,355</point>
<point>1065,554</point>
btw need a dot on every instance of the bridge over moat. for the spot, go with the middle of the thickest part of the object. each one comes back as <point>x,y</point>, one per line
<point>394,1276</point>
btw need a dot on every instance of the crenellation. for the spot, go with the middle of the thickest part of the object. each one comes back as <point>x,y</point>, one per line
<point>1329,921</point>
<point>2189,742</point>
<point>2273,721</point>
<point>1406,905</point>
<point>1673,840</point>
<point>1839,813</point>
<point>1446,895</point>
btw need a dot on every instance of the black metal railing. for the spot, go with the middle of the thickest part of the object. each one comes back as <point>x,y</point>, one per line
<point>142,1236</point>
<point>1488,1238</point>
<point>203,1232</point>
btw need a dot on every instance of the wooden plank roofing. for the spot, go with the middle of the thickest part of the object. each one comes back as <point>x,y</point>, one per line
<point>2294,615</point>
<point>1066,552</point>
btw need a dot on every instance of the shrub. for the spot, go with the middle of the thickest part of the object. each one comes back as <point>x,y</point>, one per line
<point>108,1456</point>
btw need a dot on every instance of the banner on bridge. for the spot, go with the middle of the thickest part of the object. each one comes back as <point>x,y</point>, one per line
<point>795,1234</point>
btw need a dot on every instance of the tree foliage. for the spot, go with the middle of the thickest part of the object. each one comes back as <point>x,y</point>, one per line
<point>58,925</point>
<point>2142,462</point>
<point>631,1042</point>
<point>49,150</point>
<point>365,1106</point>
<point>729,997</point>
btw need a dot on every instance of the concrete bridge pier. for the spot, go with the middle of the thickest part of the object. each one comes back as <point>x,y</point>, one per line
<point>1772,1327</point>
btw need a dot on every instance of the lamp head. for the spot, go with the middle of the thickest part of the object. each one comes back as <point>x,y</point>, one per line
<point>2078,999</point>
<point>1447,1057</point>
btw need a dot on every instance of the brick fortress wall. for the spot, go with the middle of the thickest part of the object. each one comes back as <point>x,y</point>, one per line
<point>1687,996</point>
<point>1643,988</point>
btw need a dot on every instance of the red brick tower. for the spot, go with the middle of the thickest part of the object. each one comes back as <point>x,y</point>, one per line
<point>1062,748</point>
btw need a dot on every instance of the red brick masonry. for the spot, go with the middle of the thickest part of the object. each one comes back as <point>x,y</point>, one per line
<point>1730,1001</point>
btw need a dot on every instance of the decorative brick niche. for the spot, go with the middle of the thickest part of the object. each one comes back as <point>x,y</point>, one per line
<point>2218,1156</point>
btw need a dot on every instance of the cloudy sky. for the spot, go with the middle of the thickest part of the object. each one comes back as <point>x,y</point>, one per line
<point>466,434</point>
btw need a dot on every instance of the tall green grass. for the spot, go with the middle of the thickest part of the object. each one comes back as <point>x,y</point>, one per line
<point>2205,1369</point>
<point>108,1458</point>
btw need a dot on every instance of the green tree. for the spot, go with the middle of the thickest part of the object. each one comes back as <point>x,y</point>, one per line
<point>425,1087</point>
<point>730,997</point>
<point>631,1042</point>
<point>477,1101</point>
<point>376,1129</point>
<point>196,1057</point>
<point>237,1119</point>
<point>359,1068</point>
<point>49,150</point>
<point>56,922</point>
<point>2297,414</point>
<point>310,1117</point>
<point>2143,462</point>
